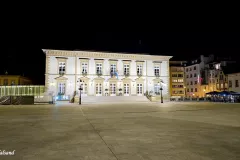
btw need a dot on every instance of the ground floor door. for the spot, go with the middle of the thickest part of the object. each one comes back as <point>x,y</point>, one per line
<point>85,89</point>
<point>126,89</point>
<point>98,89</point>
<point>112,89</point>
<point>139,89</point>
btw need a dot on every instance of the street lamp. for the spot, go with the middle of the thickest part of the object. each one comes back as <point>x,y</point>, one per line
<point>80,89</point>
<point>160,84</point>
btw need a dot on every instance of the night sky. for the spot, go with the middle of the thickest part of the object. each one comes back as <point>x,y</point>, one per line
<point>19,52</point>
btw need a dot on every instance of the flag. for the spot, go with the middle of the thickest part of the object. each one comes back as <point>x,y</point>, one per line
<point>116,74</point>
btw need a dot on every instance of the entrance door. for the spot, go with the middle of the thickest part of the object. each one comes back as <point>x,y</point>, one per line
<point>98,89</point>
<point>126,90</point>
<point>85,89</point>
<point>139,89</point>
<point>112,89</point>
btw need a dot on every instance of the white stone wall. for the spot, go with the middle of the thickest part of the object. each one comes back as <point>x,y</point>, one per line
<point>73,64</point>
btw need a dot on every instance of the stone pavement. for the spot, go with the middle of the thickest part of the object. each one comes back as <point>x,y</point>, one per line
<point>144,131</point>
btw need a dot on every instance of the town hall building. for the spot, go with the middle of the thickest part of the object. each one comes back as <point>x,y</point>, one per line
<point>105,73</point>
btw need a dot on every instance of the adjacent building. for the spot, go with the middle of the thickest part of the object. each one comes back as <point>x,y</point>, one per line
<point>177,79</point>
<point>233,82</point>
<point>105,74</point>
<point>8,80</point>
<point>196,76</point>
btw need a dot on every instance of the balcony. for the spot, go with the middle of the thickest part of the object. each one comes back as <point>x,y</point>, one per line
<point>99,73</point>
<point>112,74</point>
<point>126,74</point>
<point>61,73</point>
<point>139,74</point>
<point>84,73</point>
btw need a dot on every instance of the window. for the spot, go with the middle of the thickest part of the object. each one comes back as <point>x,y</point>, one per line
<point>188,90</point>
<point>139,69</point>
<point>221,77</point>
<point>186,69</point>
<point>139,88</point>
<point>126,69</point>
<point>156,70</point>
<point>187,83</point>
<point>191,89</point>
<point>126,89</point>
<point>180,75</point>
<point>62,67</point>
<point>61,88</point>
<point>194,68</point>
<point>195,74</point>
<point>84,67</point>
<point>195,82</point>
<point>236,83</point>
<point>174,80</point>
<point>113,88</point>
<point>230,84</point>
<point>156,88</point>
<point>190,69</point>
<point>190,75</point>
<point>195,89</point>
<point>191,83</point>
<point>99,68</point>
<point>113,69</point>
<point>174,75</point>
<point>187,76</point>
<point>5,82</point>
<point>180,80</point>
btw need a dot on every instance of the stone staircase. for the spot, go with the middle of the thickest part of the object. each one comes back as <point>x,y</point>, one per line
<point>112,99</point>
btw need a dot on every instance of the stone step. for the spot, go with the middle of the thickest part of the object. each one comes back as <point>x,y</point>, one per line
<point>112,99</point>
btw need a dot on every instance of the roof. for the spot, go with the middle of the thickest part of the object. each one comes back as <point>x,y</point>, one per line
<point>104,52</point>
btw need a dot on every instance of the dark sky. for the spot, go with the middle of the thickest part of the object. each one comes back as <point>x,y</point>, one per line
<point>22,54</point>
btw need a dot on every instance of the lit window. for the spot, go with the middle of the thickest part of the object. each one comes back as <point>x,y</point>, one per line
<point>139,69</point>
<point>99,68</point>
<point>84,67</point>
<point>156,70</point>
<point>62,67</point>
<point>126,69</point>
<point>61,88</point>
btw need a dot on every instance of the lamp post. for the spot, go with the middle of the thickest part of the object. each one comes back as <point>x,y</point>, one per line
<point>160,84</point>
<point>80,90</point>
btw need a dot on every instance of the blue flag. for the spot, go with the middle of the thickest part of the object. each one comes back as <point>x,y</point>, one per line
<point>116,74</point>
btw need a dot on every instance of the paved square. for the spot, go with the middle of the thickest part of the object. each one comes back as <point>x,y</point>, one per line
<point>146,131</point>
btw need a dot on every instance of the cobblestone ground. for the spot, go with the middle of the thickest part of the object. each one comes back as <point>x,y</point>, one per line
<point>146,131</point>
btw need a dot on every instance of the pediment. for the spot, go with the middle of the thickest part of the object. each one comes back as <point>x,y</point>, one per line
<point>126,79</point>
<point>62,78</point>
<point>98,79</point>
<point>157,80</point>
<point>84,78</point>
<point>139,79</point>
<point>113,79</point>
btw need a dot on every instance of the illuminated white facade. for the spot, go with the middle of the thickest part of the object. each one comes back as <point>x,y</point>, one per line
<point>105,74</point>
